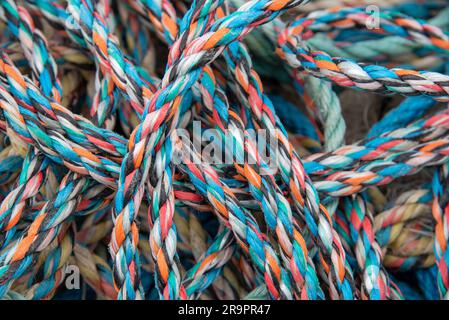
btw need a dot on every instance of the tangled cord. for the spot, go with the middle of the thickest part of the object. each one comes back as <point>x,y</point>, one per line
<point>106,173</point>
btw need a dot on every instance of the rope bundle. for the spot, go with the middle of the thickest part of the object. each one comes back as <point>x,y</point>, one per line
<point>130,168</point>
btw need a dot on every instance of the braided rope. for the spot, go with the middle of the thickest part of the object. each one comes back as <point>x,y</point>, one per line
<point>94,174</point>
<point>346,73</point>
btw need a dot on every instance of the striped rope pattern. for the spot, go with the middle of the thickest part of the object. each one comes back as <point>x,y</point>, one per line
<point>96,180</point>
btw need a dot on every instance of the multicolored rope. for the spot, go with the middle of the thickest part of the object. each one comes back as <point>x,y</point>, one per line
<point>203,149</point>
<point>375,78</point>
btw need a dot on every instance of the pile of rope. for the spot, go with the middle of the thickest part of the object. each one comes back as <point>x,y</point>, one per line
<point>217,149</point>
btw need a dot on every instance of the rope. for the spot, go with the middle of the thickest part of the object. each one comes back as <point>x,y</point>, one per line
<point>198,150</point>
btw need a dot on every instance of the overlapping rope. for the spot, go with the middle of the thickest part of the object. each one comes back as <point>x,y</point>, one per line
<point>198,150</point>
